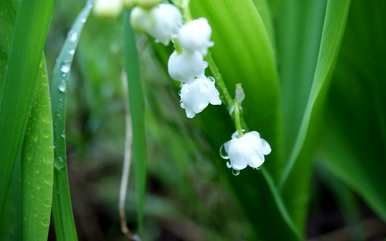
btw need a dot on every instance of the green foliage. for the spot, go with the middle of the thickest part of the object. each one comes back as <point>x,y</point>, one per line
<point>38,165</point>
<point>308,51</point>
<point>17,87</point>
<point>62,209</point>
<point>137,115</point>
<point>354,144</point>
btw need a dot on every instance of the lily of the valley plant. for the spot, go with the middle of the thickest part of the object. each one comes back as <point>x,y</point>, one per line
<point>191,39</point>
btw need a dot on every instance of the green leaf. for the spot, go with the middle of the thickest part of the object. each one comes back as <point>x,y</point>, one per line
<point>62,209</point>
<point>37,165</point>
<point>137,111</point>
<point>7,20</point>
<point>18,86</point>
<point>309,36</point>
<point>264,9</point>
<point>354,146</point>
<point>244,53</point>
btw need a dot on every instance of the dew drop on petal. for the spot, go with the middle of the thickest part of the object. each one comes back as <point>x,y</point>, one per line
<point>235,172</point>
<point>223,153</point>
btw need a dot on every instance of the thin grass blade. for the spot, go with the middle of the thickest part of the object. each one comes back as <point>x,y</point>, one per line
<point>137,112</point>
<point>65,228</point>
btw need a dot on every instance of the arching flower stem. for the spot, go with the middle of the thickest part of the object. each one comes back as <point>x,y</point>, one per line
<point>233,106</point>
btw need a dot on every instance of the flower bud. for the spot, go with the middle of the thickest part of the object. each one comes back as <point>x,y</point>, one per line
<point>166,20</point>
<point>186,66</point>
<point>195,36</point>
<point>140,19</point>
<point>246,150</point>
<point>108,8</point>
<point>197,95</point>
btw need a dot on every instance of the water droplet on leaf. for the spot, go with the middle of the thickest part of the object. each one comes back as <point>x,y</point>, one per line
<point>73,37</point>
<point>59,164</point>
<point>65,68</point>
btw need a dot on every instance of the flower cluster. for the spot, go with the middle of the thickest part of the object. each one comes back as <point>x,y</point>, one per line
<point>186,64</point>
<point>192,39</point>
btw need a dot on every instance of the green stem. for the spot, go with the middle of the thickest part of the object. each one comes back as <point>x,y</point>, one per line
<point>232,105</point>
<point>237,120</point>
<point>219,81</point>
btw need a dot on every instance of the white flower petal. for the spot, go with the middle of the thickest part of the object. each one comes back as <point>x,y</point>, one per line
<point>238,165</point>
<point>255,134</point>
<point>246,150</point>
<point>265,147</point>
<point>197,95</point>
<point>213,94</point>
<point>186,66</point>
<point>195,36</point>
<point>108,8</point>
<point>167,20</point>
<point>255,161</point>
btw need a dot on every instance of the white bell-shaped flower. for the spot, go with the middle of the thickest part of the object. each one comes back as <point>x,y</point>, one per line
<point>197,95</point>
<point>185,66</point>
<point>166,20</point>
<point>108,8</point>
<point>195,36</point>
<point>248,149</point>
<point>140,19</point>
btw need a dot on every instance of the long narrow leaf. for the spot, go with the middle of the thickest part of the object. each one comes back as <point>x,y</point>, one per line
<point>137,111</point>
<point>38,165</point>
<point>354,146</point>
<point>304,92</point>
<point>62,209</point>
<point>18,87</point>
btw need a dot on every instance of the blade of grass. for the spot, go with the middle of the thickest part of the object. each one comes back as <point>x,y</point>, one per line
<point>62,209</point>
<point>137,110</point>
<point>37,165</point>
<point>19,84</point>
